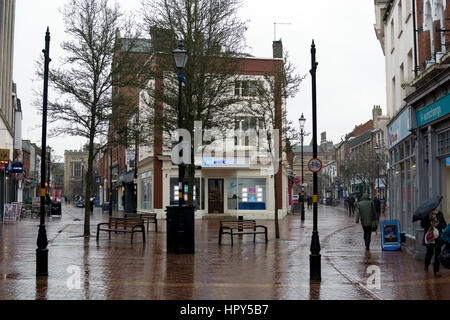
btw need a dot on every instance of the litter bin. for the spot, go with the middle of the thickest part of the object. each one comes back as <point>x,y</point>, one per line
<point>184,243</point>
<point>55,209</point>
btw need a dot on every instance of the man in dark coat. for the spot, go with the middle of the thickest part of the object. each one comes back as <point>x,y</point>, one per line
<point>351,205</point>
<point>366,211</point>
<point>437,220</point>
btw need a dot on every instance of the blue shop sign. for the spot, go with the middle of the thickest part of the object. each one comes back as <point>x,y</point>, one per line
<point>447,161</point>
<point>399,128</point>
<point>434,111</point>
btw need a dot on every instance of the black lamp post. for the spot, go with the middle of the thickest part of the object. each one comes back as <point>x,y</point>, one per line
<point>42,242</point>
<point>302,121</point>
<point>315,267</point>
<point>110,183</point>
<point>180,56</point>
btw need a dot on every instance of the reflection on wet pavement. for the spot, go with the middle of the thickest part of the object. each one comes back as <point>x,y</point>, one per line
<point>117,269</point>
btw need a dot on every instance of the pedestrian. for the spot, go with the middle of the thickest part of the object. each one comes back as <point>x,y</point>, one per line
<point>351,208</point>
<point>377,205</point>
<point>366,211</point>
<point>434,220</point>
<point>301,200</point>
<point>310,201</point>
<point>346,203</point>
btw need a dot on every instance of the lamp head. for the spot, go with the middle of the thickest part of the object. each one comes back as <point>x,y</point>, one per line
<point>302,122</point>
<point>180,55</point>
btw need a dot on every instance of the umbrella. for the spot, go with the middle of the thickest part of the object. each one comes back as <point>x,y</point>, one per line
<point>426,207</point>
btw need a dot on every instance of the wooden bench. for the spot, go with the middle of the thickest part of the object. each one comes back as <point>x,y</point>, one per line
<point>122,225</point>
<point>238,227</point>
<point>147,217</point>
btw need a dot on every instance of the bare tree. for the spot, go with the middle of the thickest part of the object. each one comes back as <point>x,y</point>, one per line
<point>280,84</point>
<point>85,78</point>
<point>213,37</point>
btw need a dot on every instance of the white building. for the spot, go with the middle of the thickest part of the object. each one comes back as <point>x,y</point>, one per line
<point>7,111</point>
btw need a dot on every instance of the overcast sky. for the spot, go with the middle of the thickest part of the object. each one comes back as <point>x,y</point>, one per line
<point>350,75</point>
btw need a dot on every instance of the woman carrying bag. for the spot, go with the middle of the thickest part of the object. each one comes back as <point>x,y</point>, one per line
<point>433,224</point>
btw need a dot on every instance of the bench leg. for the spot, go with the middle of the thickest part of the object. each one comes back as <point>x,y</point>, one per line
<point>220,236</point>
<point>266,235</point>
<point>254,237</point>
<point>231,237</point>
<point>156,225</point>
<point>98,231</point>
<point>143,233</point>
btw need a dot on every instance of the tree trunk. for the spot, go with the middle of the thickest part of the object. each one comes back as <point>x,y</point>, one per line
<point>87,215</point>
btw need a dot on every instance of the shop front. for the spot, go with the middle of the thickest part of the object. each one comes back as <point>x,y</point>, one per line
<point>403,174</point>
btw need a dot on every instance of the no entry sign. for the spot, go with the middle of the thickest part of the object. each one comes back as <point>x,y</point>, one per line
<point>315,165</point>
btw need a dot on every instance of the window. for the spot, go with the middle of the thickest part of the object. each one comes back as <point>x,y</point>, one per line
<point>252,194</point>
<point>245,124</point>
<point>76,169</point>
<point>402,77</point>
<point>444,143</point>
<point>146,195</point>
<point>392,36</point>
<point>400,17</point>
<point>174,192</point>
<point>246,88</point>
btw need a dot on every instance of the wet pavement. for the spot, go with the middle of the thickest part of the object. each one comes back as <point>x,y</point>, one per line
<point>278,270</point>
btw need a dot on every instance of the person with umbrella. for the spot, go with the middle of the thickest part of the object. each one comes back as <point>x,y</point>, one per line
<point>433,223</point>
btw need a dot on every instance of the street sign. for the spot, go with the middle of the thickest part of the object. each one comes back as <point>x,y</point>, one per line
<point>315,165</point>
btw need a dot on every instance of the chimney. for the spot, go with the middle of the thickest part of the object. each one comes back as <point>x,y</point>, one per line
<point>323,137</point>
<point>277,49</point>
<point>376,112</point>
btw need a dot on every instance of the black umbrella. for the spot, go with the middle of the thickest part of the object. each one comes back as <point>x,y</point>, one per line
<point>426,207</point>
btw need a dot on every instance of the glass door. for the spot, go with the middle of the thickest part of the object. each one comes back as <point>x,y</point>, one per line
<point>215,196</point>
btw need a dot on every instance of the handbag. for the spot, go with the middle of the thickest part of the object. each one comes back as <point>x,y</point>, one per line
<point>374,226</point>
<point>431,235</point>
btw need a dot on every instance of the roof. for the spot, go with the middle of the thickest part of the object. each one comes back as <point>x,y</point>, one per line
<point>360,139</point>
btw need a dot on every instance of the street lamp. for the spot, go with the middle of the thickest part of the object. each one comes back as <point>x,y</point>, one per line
<point>42,242</point>
<point>178,242</point>
<point>315,257</point>
<point>302,122</point>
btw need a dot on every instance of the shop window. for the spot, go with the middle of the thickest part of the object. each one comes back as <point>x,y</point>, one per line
<point>174,193</point>
<point>146,195</point>
<point>232,194</point>
<point>444,143</point>
<point>252,194</point>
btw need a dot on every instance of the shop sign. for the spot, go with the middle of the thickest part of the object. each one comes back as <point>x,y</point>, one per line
<point>4,155</point>
<point>146,175</point>
<point>217,162</point>
<point>447,161</point>
<point>17,167</point>
<point>434,111</point>
<point>399,128</point>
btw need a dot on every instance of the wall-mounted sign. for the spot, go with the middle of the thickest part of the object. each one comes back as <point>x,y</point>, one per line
<point>220,162</point>
<point>447,161</point>
<point>17,167</point>
<point>434,111</point>
<point>399,128</point>
<point>4,154</point>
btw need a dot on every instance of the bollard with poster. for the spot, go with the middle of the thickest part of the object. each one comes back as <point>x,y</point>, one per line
<point>390,235</point>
